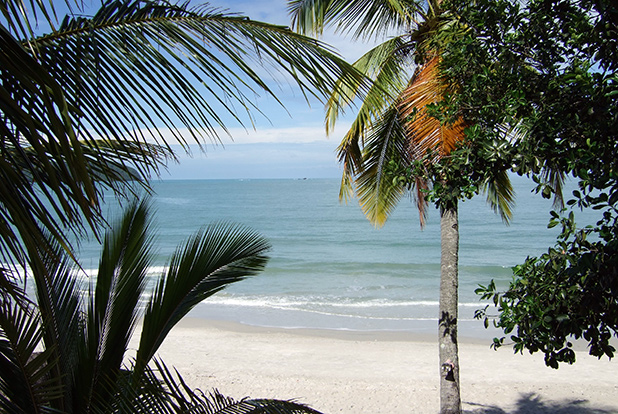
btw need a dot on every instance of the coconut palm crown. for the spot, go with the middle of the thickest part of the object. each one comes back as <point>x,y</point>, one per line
<point>396,122</point>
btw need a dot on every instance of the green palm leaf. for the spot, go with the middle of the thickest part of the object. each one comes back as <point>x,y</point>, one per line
<point>113,308</point>
<point>10,289</point>
<point>554,177</point>
<point>24,382</point>
<point>196,401</point>
<point>59,302</point>
<point>144,64</point>
<point>180,397</point>
<point>500,195</point>
<point>84,343</point>
<point>388,141</point>
<point>215,257</point>
<point>365,18</point>
<point>34,107</point>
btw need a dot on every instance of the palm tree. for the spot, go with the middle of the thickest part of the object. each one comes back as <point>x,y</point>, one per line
<point>67,351</point>
<point>88,105</point>
<point>400,125</point>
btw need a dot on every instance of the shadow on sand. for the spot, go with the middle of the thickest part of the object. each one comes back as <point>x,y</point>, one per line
<point>532,403</point>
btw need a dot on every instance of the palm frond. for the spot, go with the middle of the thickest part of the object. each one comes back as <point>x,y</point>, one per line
<point>407,132</point>
<point>196,401</point>
<point>121,77</point>
<point>80,368</point>
<point>364,19</point>
<point>10,289</point>
<point>180,397</point>
<point>387,67</point>
<point>215,257</point>
<point>500,194</point>
<point>114,64</point>
<point>25,385</point>
<point>23,17</point>
<point>555,178</point>
<point>59,302</point>
<point>34,109</point>
<point>350,159</point>
<point>121,166</point>
<point>114,306</point>
<point>388,141</point>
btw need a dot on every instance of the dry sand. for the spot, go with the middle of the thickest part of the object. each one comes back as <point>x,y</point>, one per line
<point>380,372</point>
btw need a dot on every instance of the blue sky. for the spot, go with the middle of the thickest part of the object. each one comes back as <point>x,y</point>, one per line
<point>290,142</point>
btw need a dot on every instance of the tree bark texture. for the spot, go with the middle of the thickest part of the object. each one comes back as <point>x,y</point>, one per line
<point>450,400</point>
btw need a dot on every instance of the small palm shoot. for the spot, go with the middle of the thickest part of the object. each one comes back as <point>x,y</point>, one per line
<point>83,367</point>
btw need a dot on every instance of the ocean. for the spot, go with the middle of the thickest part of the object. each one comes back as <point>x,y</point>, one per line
<point>330,268</point>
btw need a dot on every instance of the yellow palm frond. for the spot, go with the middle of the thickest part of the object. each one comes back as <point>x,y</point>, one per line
<point>386,66</point>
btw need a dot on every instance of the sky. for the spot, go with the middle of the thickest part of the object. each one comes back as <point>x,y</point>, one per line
<point>287,143</point>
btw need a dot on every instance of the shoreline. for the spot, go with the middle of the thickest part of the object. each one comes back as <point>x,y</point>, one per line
<point>302,319</point>
<point>344,371</point>
<point>328,333</point>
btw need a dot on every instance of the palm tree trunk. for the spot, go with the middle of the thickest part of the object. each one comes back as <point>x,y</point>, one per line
<point>450,402</point>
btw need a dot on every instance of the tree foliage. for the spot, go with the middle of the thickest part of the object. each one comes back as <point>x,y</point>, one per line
<point>545,71</point>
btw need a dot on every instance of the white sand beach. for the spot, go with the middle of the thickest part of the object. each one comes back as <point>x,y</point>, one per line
<point>380,372</point>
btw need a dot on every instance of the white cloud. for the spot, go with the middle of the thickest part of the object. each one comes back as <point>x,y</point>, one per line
<point>280,135</point>
<point>272,135</point>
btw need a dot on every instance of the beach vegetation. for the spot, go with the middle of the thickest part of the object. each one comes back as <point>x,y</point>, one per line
<point>547,71</point>
<point>70,352</point>
<point>407,140</point>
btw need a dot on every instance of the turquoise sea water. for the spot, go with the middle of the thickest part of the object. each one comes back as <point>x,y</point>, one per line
<point>330,268</point>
